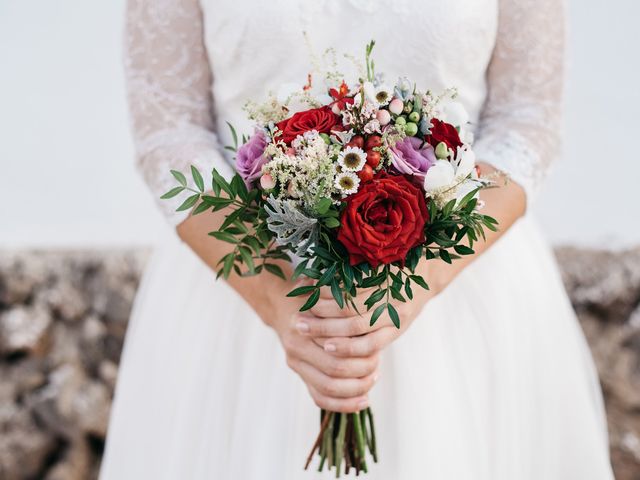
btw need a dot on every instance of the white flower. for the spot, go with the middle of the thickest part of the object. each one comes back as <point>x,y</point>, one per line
<point>455,114</point>
<point>466,136</point>
<point>464,162</point>
<point>342,137</point>
<point>352,159</point>
<point>446,180</point>
<point>439,176</point>
<point>347,183</point>
<point>380,95</point>
<point>373,126</point>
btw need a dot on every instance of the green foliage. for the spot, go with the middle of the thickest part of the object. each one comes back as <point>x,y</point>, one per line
<point>450,234</point>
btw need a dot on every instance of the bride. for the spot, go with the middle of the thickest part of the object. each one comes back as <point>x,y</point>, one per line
<point>219,380</point>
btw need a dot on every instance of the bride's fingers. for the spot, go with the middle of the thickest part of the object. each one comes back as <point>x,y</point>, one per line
<point>337,327</point>
<point>362,346</point>
<point>340,405</point>
<point>332,387</point>
<point>334,366</point>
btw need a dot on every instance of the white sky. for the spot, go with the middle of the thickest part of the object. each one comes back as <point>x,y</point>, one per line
<point>66,171</point>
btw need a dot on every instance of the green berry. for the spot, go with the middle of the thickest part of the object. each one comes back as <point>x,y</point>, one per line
<point>411,129</point>
<point>401,121</point>
<point>414,117</point>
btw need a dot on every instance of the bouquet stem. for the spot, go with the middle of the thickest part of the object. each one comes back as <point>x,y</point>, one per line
<point>344,437</point>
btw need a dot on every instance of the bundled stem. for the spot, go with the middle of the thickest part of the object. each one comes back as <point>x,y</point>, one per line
<point>344,438</point>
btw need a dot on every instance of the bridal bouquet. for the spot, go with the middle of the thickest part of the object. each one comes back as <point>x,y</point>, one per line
<point>358,182</point>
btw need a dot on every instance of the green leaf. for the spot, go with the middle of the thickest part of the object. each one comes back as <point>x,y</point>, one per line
<point>373,281</point>
<point>172,193</point>
<point>275,270</point>
<point>222,183</point>
<point>203,207</point>
<point>328,275</point>
<point>420,281</point>
<point>188,203</point>
<point>240,187</point>
<point>225,237</point>
<point>234,135</point>
<point>407,289</point>
<point>179,177</point>
<point>393,313</point>
<point>444,255</point>
<point>376,314</point>
<point>467,198</point>
<point>253,243</point>
<point>463,250</point>
<point>429,254</point>
<point>232,217</point>
<point>395,293</point>
<point>197,178</point>
<point>247,258</point>
<point>228,264</point>
<point>448,208</point>
<point>331,222</point>
<point>312,273</point>
<point>337,293</point>
<point>311,301</point>
<point>299,269</point>
<point>374,298</point>
<point>296,292</point>
<point>323,205</point>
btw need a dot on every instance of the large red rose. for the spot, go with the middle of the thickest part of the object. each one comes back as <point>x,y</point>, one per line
<point>443,132</point>
<point>320,119</point>
<point>383,221</point>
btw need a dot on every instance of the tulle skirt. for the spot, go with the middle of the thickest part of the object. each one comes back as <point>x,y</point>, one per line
<point>494,381</point>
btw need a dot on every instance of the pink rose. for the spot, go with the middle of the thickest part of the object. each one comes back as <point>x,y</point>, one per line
<point>412,156</point>
<point>251,158</point>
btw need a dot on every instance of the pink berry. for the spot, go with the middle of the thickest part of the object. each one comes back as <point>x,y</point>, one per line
<point>396,106</point>
<point>267,182</point>
<point>384,117</point>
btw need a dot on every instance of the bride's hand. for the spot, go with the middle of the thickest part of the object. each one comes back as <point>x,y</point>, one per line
<point>337,384</point>
<point>345,333</point>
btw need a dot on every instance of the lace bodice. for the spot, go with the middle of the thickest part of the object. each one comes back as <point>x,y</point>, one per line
<point>192,64</point>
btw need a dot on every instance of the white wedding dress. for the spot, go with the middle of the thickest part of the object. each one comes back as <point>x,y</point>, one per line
<point>494,381</point>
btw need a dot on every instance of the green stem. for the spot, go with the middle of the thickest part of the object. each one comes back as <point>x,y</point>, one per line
<point>359,436</point>
<point>339,445</point>
<point>374,449</point>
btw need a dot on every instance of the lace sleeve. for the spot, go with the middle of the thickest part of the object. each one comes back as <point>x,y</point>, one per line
<point>169,92</point>
<point>519,131</point>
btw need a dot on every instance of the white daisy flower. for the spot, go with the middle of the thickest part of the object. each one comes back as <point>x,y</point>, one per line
<point>352,159</point>
<point>347,183</point>
<point>380,95</point>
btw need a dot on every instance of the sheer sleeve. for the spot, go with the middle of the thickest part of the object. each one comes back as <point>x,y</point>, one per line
<point>520,125</point>
<point>169,91</point>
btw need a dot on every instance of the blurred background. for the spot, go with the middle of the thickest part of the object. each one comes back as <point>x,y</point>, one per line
<point>77,223</point>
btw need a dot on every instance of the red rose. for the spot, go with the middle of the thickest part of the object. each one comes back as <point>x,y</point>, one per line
<point>320,119</point>
<point>383,221</point>
<point>443,132</point>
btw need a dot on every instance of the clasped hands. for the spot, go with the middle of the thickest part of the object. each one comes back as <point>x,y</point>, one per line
<point>336,351</point>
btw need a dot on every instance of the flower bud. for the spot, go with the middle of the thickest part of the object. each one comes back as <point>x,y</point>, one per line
<point>396,106</point>
<point>442,151</point>
<point>267,182</point>
<point>384,117</point>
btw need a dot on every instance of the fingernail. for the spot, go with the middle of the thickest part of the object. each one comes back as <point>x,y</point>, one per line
<point>302,327</point>
<point>363,404</point>
<point>329,347</point>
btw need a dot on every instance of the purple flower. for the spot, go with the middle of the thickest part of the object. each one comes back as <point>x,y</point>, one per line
<point>250,157</point>
<point>412,156</point>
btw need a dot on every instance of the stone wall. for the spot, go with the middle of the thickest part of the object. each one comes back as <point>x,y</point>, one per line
<point>62,322</point>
